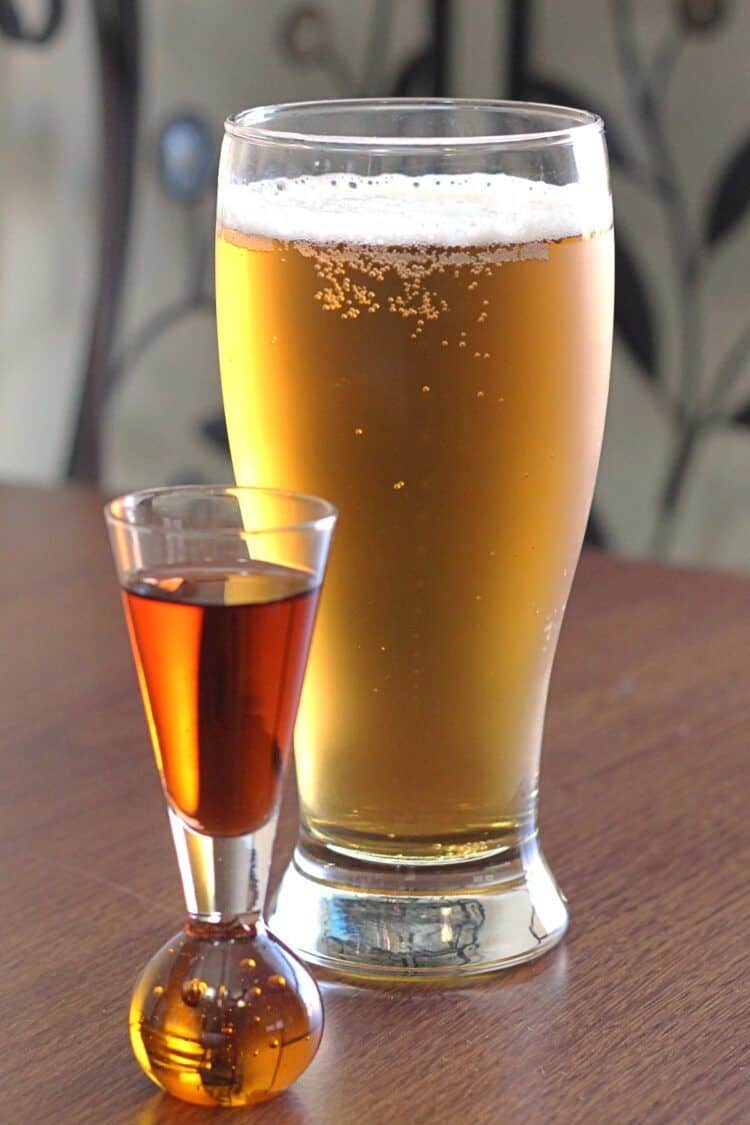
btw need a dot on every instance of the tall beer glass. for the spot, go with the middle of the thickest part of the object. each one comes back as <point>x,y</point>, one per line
<point>415,312</point>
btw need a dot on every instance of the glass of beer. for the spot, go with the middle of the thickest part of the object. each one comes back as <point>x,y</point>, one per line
<point>414,305</point>
<point>220,589</point>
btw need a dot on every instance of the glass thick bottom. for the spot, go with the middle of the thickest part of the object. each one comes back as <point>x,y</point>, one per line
<point>371,919</point>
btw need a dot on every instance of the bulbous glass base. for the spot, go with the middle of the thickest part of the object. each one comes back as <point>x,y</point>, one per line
<point>225,1015</point>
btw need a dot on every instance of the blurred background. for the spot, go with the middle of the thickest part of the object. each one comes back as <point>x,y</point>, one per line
<point>109,137</point>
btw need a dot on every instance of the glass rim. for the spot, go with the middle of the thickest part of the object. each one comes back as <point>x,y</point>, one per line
<point>254,124</point>
<point>328,512</point>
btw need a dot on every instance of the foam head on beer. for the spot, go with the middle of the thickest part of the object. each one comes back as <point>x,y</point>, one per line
<point>432,354</point>
<point>475,209</point>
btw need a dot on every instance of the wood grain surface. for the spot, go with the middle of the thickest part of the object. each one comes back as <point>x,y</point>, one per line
<point>641,1015</point>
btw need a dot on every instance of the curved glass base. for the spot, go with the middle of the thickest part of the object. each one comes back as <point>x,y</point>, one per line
<point>225,1015</point>
<point>377,920</point>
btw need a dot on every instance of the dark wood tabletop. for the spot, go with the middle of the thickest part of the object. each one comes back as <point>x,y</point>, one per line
<point>642,1014</point>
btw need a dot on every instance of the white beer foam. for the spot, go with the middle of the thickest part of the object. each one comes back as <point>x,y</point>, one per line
<point>475,209</point>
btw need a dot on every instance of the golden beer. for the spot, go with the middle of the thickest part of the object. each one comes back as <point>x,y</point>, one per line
<point>433,357</point>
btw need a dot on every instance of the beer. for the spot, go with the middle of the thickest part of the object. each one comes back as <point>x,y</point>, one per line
<point>220,659</point>
<point>432,355</point>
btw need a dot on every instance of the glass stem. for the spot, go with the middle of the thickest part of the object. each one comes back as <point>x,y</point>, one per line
<point>224,878</point>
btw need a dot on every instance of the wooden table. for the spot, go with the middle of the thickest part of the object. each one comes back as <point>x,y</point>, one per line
<point>641,1015</point>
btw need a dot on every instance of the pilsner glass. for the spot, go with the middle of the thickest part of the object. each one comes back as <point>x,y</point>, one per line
<point>415,313</point>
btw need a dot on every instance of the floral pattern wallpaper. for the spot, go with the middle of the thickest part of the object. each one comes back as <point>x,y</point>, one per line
<point>695,394</point>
